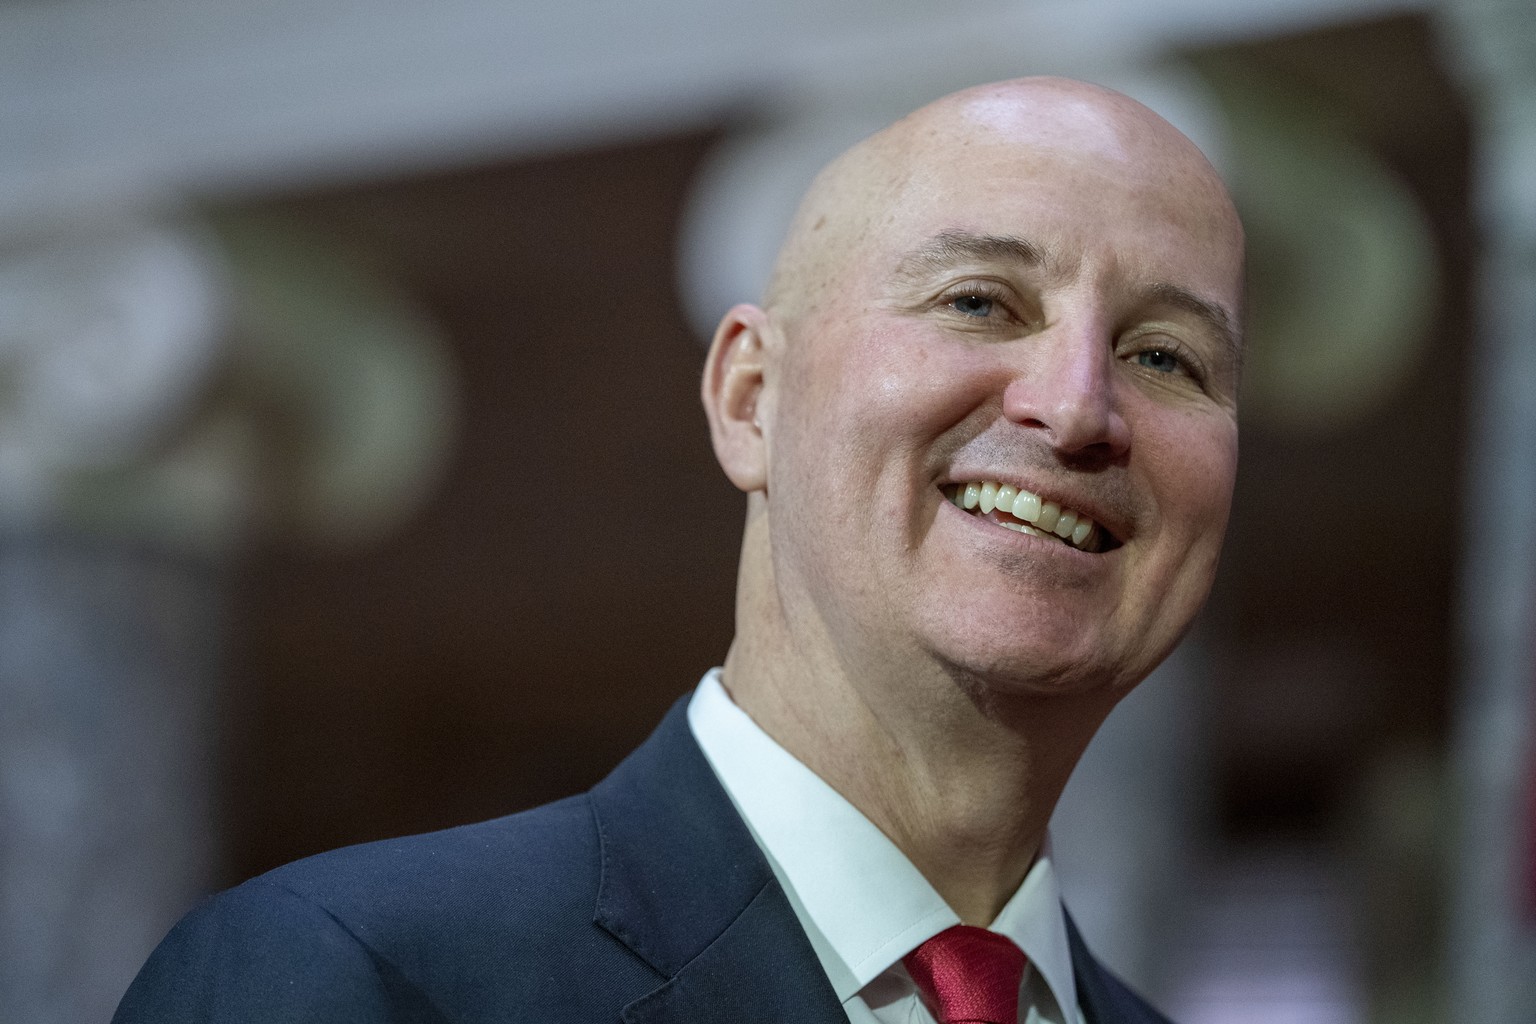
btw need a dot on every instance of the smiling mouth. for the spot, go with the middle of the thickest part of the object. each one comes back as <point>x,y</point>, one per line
<point>1026,512</point>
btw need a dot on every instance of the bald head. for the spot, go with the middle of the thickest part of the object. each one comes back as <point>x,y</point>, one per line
<point>1039,124</point>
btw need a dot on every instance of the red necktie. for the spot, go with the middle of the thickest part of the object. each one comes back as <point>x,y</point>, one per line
<point>969,975</point>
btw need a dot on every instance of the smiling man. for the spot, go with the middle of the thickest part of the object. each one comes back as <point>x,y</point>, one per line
<point>985,421</point>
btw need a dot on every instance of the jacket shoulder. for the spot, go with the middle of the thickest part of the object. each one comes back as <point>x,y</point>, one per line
<point>524,867</point>
<point>445,925</point>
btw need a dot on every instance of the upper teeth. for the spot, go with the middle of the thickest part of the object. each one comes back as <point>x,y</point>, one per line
<point>1047,517</point>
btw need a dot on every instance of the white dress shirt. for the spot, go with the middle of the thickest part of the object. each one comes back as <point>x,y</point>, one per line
<point>861,902</point>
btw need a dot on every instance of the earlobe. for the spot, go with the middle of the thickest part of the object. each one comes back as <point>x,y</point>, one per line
<point>733,389</point>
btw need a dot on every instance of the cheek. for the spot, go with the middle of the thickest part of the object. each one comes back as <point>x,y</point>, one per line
<point>864,385</point>
<point>873,396</point>
<point>920,385</point>
<point>1214,469</point>
<point>1190,472</point>
<point>1192,465</point>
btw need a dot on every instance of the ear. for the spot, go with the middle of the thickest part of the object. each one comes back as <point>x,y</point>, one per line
<point>733,389</point>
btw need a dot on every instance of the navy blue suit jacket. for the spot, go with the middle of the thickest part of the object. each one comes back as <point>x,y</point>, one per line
<point>645,900</point>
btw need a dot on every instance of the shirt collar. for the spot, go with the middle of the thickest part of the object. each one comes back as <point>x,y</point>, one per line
<point>861,902</point>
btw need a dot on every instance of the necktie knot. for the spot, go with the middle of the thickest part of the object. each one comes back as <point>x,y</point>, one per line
<point>969,975</point>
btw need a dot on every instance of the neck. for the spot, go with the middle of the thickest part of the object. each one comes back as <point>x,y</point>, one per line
<point>961,775</point>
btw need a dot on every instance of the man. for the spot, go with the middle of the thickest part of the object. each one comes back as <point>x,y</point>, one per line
<point>985,422</point>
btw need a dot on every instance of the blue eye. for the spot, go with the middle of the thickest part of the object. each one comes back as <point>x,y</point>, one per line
<point>973,305</point>
<point>1160,360</point>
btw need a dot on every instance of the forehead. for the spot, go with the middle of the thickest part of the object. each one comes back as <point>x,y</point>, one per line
<point>1080,188</point>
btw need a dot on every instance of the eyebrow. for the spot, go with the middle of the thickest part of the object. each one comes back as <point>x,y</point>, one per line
<point>949,248</point>
<point>1217,319</point>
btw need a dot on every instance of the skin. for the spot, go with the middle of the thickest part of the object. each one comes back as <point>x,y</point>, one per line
<point>1035,282</point>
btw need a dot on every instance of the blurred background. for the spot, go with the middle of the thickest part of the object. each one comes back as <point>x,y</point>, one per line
<point>353,483</point>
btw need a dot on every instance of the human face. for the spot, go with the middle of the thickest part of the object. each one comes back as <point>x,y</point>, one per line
<point>1043,304</point>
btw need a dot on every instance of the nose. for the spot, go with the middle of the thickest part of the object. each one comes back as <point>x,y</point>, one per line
<point>1066,388</point>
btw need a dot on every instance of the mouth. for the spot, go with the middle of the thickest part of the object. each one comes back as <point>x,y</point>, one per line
<point>1027,512</point>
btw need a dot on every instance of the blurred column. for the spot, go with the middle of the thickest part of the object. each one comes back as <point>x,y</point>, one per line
<point>108,670</point>
<point>1492,956</point>
<point>110,329</point>
<point>1133,827</point>
<point>168,392</point>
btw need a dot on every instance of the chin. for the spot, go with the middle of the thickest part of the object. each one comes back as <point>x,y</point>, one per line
<point>1047,655</point>
<point>1032,673</point>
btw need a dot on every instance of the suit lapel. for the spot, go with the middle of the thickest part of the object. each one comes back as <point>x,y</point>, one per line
<point>1104,999</point>
<point>760,971</point>
<point>685,887</point>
